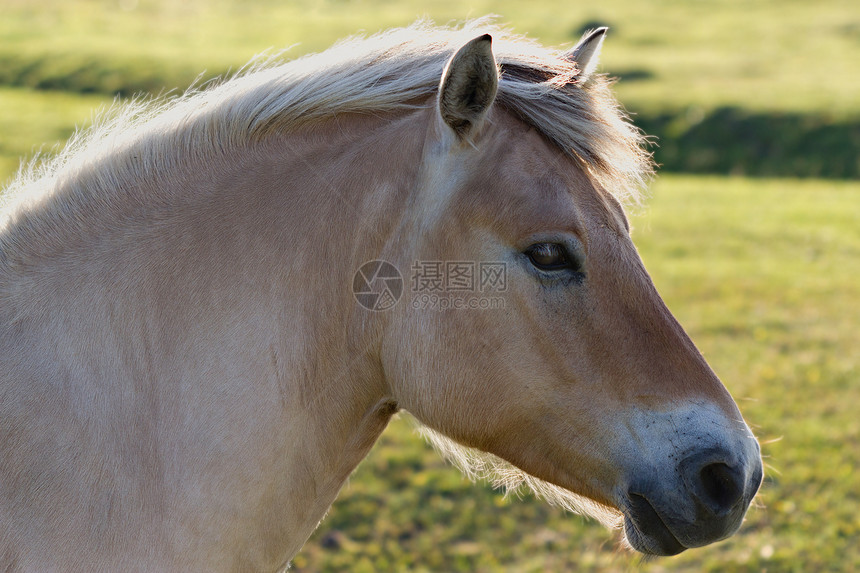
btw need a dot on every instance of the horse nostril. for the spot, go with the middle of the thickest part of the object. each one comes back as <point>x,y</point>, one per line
<point>722,486</point>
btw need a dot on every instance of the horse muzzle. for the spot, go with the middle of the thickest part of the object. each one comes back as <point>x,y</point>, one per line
<point>703,500</point>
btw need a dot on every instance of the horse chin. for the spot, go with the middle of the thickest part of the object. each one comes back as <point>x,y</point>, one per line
<point>646,532</point>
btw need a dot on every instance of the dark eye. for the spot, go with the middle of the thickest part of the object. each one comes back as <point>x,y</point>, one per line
<point>549,257</point>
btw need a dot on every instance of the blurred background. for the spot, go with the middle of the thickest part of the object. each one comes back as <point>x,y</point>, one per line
<point>751,233</point>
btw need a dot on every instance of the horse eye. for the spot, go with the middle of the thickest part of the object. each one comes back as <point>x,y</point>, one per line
<point>548,256</point>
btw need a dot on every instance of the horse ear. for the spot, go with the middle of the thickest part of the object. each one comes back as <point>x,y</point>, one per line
<point>586,53</point>
<point>469,85</point>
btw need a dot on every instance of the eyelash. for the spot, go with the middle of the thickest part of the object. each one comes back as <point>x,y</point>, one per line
<point>551,257</point>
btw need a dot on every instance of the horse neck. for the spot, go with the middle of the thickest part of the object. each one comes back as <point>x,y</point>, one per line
<point>227,306</point>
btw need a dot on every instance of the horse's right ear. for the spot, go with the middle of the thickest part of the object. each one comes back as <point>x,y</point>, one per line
<point>469,85</point>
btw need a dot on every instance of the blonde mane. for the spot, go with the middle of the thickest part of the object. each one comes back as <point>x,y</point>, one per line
<point>388,72</point>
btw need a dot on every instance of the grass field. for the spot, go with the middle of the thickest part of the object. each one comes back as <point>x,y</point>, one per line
<point>763,272</point>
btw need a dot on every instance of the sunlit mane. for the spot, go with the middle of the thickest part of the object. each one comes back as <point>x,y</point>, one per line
<point>395,70</point>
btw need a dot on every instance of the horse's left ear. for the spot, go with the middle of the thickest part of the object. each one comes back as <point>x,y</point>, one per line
<point>469,85</point>
<point>586,53</point>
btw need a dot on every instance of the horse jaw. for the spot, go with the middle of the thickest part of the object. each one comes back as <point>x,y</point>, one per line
<point>478,465</point>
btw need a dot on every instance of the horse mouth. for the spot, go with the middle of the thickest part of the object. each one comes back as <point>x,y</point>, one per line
<point>646,532</point>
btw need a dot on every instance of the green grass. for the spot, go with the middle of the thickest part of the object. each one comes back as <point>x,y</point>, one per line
<point>763,274</point>
<point>33,121</point>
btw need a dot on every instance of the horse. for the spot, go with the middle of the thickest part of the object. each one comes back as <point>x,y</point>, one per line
<point>189,374</point>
